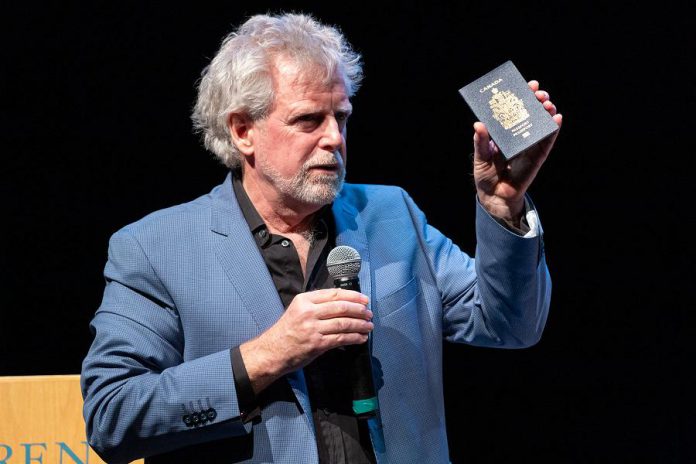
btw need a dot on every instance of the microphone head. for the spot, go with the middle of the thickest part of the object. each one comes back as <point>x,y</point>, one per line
<point>343,261</point>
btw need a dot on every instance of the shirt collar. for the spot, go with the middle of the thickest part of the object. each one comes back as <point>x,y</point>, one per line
<point>258,227</point>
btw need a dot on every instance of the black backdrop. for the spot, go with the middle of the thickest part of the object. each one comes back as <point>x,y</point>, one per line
<point>96,133</point>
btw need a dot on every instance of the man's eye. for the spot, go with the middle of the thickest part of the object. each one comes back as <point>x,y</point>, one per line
<point>309,118</point>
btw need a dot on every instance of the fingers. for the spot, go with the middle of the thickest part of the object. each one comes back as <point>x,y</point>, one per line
<point>334,309</point>
<point>343,339</point>
<point>344,325</point>
<point>550,107</point>
<point>545,99</point>
<point>339,316</point>
<point>333,303</point>
<point>336,294</point>
<point>542,95</point>
<point>559,119</point>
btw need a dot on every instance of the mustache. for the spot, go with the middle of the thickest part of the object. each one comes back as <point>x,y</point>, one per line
<point>334,160</point>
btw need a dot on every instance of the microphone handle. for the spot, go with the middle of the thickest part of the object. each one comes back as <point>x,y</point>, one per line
<point>364,397</point>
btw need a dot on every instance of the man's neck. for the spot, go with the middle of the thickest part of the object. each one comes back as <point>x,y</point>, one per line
<point>282,216</point>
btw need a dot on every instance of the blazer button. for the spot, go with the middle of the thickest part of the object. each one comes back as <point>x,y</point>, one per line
<point>187,420</point>
<point>203,417</point>
<point>194,418</point>
<point>211,413</point>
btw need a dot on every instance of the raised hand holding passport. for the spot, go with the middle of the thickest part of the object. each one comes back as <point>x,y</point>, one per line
<point>502,183</point>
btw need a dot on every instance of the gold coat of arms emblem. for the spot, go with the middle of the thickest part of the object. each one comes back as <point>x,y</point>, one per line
<point>507,108</point>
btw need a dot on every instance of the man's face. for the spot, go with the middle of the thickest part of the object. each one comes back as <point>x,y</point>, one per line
<point>300,148</point>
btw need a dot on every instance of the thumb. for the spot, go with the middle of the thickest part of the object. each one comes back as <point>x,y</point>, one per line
<point>482,149</point>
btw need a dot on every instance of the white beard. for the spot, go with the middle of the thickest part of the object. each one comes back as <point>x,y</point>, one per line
<point>306,186</point>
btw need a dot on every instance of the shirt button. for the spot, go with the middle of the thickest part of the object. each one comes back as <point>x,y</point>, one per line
<point>263,233</point>
<point>285,243</point>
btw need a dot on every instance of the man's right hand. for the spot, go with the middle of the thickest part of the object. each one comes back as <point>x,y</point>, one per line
<point>314,323</point>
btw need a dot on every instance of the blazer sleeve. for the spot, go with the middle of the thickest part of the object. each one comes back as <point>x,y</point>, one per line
<point>141,396</point>
<point>499,299</point>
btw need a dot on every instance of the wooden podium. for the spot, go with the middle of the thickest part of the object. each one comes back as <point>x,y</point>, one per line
<point>41,421</point>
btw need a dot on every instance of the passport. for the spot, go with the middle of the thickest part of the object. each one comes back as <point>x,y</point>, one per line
<point>503,101</point>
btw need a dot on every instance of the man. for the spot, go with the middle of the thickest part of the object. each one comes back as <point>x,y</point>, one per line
<point>219,338</point>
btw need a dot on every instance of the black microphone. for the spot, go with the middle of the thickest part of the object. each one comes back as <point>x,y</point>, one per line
<point>343,265</point>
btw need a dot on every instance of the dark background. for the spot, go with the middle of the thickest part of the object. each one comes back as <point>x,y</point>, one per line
<point>96,133</point>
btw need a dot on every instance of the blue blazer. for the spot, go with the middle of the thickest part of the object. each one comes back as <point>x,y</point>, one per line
<point>185,284</point>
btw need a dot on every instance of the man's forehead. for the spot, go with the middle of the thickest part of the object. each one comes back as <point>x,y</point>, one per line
<point>293,82</point>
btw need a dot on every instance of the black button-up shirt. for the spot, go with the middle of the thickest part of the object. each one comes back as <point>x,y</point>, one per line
<point>341,437</point>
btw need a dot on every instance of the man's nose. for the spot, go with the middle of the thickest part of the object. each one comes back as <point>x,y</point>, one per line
<point>332,138</point>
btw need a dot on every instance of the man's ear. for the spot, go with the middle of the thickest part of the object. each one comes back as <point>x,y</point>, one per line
<point>241,129</point>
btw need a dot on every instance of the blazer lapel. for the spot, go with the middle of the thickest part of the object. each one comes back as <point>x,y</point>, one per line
<point>239,256</point>
<point>350,231</point>
<point>241,260</point>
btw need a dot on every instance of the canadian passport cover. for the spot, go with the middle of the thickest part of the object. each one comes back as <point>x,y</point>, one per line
<point>503,101</point>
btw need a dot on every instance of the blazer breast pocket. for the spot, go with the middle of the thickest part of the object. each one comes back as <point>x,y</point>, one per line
<point>399,298</point>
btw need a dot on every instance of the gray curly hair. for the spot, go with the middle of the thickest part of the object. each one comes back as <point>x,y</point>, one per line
<point>238,79</point>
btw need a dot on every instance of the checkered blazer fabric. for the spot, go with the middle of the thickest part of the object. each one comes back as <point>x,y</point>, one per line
<point>185,284</point>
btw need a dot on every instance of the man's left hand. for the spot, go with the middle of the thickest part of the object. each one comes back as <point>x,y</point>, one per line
<point>501,184</point>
